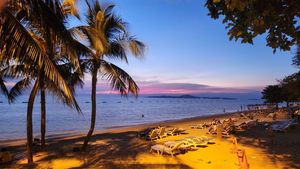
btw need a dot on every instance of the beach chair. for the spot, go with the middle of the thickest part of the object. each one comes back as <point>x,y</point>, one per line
<point>162,132</point>
<point>283,126</point>
<point>212,130</point>
<point>194,142</point>
<point>144,133</point>
<point>182,131</point>
<point>183,147</point>
<point>197,126</point>
<point>209,140</point>
<point>153,135</point>
<point>161,149</point>
<point>173,132</point>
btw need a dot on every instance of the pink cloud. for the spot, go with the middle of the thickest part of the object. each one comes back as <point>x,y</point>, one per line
<point>156,87</point>
<point>9,84</point>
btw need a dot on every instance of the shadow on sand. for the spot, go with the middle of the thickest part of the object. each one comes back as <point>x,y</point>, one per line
<point>108,150</point>
<point>285,146</point>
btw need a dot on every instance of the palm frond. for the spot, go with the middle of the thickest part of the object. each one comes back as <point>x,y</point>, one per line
<point>3,87</point>
<point>108,10</point>
<point>118,78</point>
<point>114,26</point>
<point>49,16</point>
<point>18,88</point>
<point>69,7</point>
<point>17,42</point>
<point>97,40</point>
<point>137,48</point>
<point>60,94</point>
<point>73,78</point>
<point>19,71</point>
<point>117,50</point>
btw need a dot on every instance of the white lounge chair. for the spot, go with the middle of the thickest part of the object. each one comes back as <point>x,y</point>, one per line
<point>161,149</point>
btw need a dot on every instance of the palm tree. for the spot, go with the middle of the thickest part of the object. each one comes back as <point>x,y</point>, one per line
<point>28,32</point>
<point>108,37</point>
<point>29,74</point>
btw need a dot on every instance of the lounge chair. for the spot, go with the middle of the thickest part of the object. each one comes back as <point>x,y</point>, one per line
<point>173,132</point>
<point>197,126</point>
<point>162,132</point>
<point>203,138</point>
<point>283,126</point>
<point>145,133</point>
<point>153,135</point>
<point>224,132</point>
<point>182,147</point>
<point>161,149</point>
<point>194,142</point>
<point>209,140</point>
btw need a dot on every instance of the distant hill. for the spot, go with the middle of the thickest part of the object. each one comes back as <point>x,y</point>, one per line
<point>186,96</point>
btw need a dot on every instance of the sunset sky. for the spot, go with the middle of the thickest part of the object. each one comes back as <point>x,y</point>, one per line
<point>188,52</point>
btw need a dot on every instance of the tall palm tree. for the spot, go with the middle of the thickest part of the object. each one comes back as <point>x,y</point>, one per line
<point>26,28</point>
<point>108,36</point>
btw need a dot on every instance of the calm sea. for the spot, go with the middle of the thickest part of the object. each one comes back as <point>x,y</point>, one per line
<point>112,111</point>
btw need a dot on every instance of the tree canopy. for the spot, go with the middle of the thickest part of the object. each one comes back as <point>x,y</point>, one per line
<point>246,19</point>
<point>291,87</point>
<point>273,94</point>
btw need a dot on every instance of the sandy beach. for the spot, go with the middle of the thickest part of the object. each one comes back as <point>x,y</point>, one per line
<point>122,148</point>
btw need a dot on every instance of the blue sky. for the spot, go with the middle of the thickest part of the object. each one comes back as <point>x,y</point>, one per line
<point>185,46</point>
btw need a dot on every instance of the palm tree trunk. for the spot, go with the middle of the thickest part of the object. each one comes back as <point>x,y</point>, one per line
<point>43,117</point>
<point>93,116</point>
<point>29,122</point>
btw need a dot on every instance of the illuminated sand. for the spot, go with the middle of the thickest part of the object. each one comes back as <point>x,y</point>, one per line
<point>120,148</point>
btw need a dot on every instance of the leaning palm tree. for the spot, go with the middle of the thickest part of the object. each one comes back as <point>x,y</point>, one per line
<point>108,37</point>
<point>67,70</point>
<point>28,32</point>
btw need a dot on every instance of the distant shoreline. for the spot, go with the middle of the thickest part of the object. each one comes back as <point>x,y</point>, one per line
<point>191,97</point>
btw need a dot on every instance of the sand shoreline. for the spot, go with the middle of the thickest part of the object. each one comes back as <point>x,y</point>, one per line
<point>74,133</point>
<point>121,148</point>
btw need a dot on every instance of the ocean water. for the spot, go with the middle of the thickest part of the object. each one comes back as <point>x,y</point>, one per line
<point>112,111</point>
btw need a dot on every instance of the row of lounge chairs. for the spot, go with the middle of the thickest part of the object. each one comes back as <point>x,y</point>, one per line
<point>212,123</point>
<point>226,126</point>
<point>160,132</point>
<point>181,146</point>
